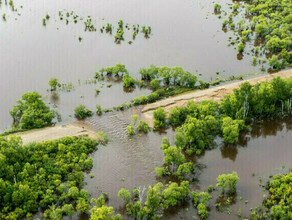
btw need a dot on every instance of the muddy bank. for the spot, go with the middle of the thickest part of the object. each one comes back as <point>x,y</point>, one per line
<point>215,93</point>
<point>55,132</point>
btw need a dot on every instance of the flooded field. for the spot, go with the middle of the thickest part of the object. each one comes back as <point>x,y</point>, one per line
<point>186,34</point>
<point>130,162</point>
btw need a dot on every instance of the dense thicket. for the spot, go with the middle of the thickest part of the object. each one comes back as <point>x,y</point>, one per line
<point>271,21</point>
<point>278,204</point>
<point>47,175</point>
<point>31,112</point>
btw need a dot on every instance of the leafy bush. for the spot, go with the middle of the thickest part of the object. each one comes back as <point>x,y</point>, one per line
<point>159,116</point>
<point>229,180</point>
<point>154,84</point>
<point>31,112</point>
<point>98,110</point>
<point>53,83</point>
<point>128,81</point>
<point>82,112</point>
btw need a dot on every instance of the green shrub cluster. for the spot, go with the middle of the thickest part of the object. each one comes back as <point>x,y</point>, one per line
<point>82,112</point>
<point>158,198</point>
<point>31,112</point>
<point>175,76</point>
<point>47,175</point>
<point>278,204</point>
<point>117,70</point>
<point>271,21</point>
<point>137,126</point>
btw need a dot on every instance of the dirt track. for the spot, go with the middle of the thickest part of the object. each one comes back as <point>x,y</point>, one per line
<point>215,93</point>
<point>55,132</point>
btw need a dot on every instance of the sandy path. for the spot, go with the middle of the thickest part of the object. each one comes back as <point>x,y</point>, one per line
<point>215,93</point>
<point>55,132</point>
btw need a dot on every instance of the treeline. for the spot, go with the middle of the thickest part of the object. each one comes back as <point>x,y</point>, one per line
<point>199,123</point>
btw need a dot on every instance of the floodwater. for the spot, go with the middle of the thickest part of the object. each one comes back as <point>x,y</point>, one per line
<point>184,33</point>
<point>130,162</point>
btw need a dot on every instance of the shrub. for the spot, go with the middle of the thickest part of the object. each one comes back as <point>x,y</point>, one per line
<point>275,63</point>
<point>98,110</point>
<point>143,126</point>
<point>159,118</point>
<point>154,84</point>
<point>53,83</point>
<point>102,138</point>
<point>225,180</point>
<point>130,130</point>
<point>31,112</point>
<point>128,81</point>
<point>82,112</point>
<point>153,97</point>
<point>240,47</point>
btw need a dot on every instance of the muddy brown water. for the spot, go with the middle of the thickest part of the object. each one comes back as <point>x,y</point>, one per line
<point>130,162</point>
<point>185,34</point>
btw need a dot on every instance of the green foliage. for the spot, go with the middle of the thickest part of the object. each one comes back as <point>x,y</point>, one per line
<point>140,126</point>
<point>130,130</point>
<point>117,70</point>
<point>32,176</point>
<point>217,7</point>
<point>143,126</point>
<point>159,116</point>
<point>128,81</point>
<point>271,21</point>
<point>202,211</point>
<point>53,83</point>
<point>185,169</point>
<point>178,115</point>
<point>31,112</point>
<point>155,84</point>
<point>240,47</point>
<point>278,204</point>
<point>174,193</point>
<point>275,63</point>
<point>229,180</point>
<point>231,128</point>
<point>102,138</point>
<point>98,110</point>
<point>104,213</point>
<point>125,195</point>
<point>82,112</point>
<point>174,76</point>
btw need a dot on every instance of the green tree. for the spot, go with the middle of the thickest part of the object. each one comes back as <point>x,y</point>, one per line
<point>159,116</point>
<point>82,112</point>
<point>124,194</point>
<point>53,83</point>
<point>31,112</point>
<point>229,180</point>
<point>128,81</point>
